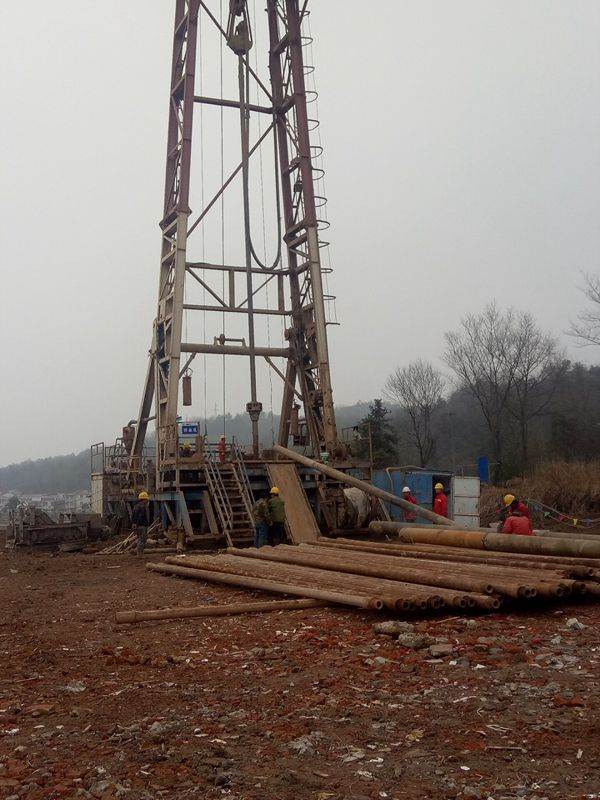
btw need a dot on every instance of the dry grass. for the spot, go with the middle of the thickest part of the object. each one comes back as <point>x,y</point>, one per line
<point>571,487</point>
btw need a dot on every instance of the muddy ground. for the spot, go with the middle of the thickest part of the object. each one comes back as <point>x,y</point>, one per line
<point>304,704</point>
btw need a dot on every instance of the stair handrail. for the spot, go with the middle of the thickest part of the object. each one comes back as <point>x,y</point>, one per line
<point>217,490</point>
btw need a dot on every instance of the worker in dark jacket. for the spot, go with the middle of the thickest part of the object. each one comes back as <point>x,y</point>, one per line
<point>140,521</point>
<point>262,522</point>
<point>277,512</point>
<point>517,523</point>
<point>440,501</point>
<point>409,516</point>
<point>512,503</point>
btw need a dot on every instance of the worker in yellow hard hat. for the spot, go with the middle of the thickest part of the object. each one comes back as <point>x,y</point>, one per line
<point>512,505</point>
<point>277,512</point>
<point>440,501</point>
<point>140,521</point>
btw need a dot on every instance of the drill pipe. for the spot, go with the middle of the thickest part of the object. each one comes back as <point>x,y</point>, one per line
<point>517,581</point>
<point>368,488</point>
<point>412,591</point>
<point>491,541</point>
<point>392,592</point>
<point>377,567</point>
<point>576,567</point>
<point>390,589</point>
<point>444,572</point>
<point>393,602</point>
<point>217,611</point>
<point>338,598</point>
<point>420,595</point>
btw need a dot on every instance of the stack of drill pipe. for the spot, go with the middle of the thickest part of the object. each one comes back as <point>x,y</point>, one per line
<point>439,575</point>
<point>490,541</point>
<point>510,581</point>
<point>397,595</point>
<point>570,567</point>
<point>392,596</point>
<point>338,598</point>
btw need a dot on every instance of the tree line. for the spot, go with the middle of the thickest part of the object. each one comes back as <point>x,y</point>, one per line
<point>510,393</point>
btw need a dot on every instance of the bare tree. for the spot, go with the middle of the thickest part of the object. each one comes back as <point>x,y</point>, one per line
<point>418,389</point>
<point>484,356</point>
<point>541,365</point>
<point>587,327</point>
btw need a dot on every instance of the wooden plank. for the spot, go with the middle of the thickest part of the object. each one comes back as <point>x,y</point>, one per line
<point>301,523</point>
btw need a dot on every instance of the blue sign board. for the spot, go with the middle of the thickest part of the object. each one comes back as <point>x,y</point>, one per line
<point>189,429</point>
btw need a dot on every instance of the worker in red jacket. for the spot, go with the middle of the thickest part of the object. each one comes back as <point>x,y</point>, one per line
<point>512,503</point>
<point>517,523</point>
<point>409,516</point>
<point>440,501</point>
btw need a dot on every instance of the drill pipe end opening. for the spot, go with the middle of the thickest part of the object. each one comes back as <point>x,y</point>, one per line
<point>376,604</point>
<point>404,605</point>
<point>435,602</point>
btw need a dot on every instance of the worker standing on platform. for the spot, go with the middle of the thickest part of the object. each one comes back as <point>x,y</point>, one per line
<point>262,522</point>
<point>440,501</point>
<point>222,449</point>
<point>140,521</point>
<point>277,511</point>
<point>512,504</point>
<point>409,516</point>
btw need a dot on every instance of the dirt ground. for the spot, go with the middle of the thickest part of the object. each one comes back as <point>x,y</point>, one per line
<point>304,704</point>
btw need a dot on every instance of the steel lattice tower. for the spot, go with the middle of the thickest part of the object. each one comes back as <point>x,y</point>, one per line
<point>299,279</point>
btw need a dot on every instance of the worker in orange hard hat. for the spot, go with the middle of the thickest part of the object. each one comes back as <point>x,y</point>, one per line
<point>440,501</point>
<point>222,448</point>
<point>140,521</point>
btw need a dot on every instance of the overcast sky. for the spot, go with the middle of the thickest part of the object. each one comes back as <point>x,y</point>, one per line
<point>462,147</point>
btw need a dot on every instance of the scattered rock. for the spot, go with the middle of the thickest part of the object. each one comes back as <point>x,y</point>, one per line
<point>306,745</point>
<point>393,627</point>
<point>573,624</point>
<point>440,650</point>
<point>74,687</point>
<point>415,641</point>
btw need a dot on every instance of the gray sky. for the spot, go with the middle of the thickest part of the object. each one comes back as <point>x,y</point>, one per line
<point>463,164</point>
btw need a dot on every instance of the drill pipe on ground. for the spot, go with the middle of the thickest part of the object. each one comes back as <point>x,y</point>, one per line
<point>384,587</point>
<point>508,580</point>
<point>379,567</point>
<point>218,611</point>
<point>368,488</point>
<point>435,553</point>
<point>394,602</point>
<point>395,596</point>
<point>490,541</point>
<point>338,598</point>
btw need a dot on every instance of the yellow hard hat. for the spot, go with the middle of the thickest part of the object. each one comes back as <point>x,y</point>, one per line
<point>439,486</point>
<point>143,496</point>
<point>508,499</point>
<point>274,490</point>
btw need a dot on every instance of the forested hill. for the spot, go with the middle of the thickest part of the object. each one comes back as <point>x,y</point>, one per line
<point>71,472</point>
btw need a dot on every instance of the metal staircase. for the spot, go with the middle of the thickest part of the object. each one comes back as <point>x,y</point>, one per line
<point>232,497</point>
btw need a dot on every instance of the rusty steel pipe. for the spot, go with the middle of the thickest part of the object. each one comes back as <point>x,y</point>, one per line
<point>230,609</point>
<point>476,578</point>
<point>355,566</point>
<point>581,567</point>
<point>388,594</point>
<point>492,541</point>
<point>398,587</point>
<point>472,578</point>
<point>389,590</point>
<point>338,598</point>
<point>368,488</point>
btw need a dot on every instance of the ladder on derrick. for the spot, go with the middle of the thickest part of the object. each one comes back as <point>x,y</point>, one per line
<point>232,498</point>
